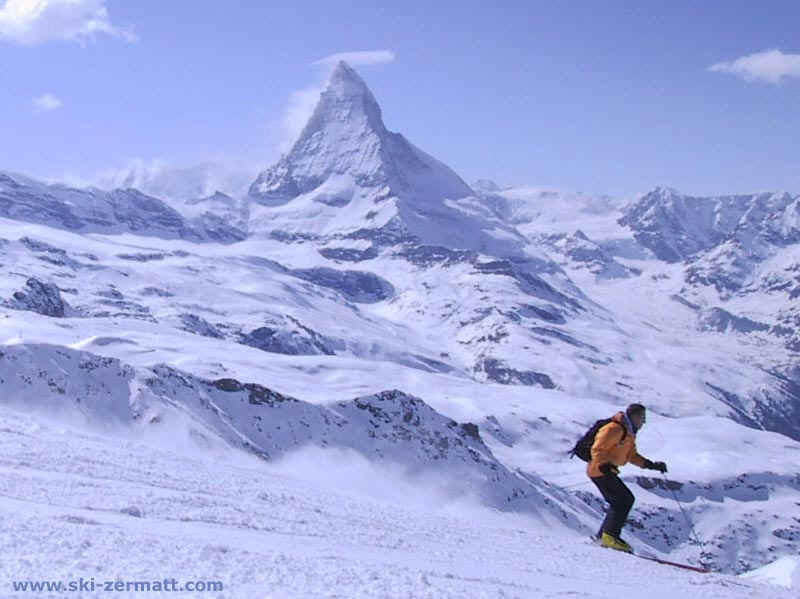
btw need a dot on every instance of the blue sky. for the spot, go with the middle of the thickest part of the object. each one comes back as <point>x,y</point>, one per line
<point>614,97</point>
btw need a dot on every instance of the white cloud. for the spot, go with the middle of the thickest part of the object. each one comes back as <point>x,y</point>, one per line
<point>363,58</point>
<point>46,103</point>
<point>32,22</point>
<point>301,105</point>
<point>770,66</point>
<point>174,182</point>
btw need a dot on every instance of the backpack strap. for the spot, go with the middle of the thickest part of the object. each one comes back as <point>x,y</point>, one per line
<point>624,430</point>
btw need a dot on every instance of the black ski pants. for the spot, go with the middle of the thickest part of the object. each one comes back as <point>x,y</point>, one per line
<point>620,501</point>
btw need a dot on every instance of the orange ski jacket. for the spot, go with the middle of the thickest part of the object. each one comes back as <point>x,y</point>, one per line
<point>611,446</point>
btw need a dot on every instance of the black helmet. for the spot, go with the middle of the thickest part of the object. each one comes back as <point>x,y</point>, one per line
<point>635,408</point>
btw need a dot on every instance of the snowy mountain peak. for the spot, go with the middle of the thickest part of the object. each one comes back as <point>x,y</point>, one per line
<point>664,191</point>
<point>343,77</point>
<point>676,226</point>
<point>348,174</point>
<point>347,98</point>
<point>346,110</point>
<point>346,139</point>
<point>344,136</point>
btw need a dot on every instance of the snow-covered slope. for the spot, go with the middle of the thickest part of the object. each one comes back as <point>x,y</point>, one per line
<point>83,505</point>
<point>95,211</point>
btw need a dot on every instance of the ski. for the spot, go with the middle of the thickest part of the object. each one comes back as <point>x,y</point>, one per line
<point>653,558</point>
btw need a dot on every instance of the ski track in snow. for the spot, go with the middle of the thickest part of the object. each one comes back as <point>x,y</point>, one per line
<point>65,494</point>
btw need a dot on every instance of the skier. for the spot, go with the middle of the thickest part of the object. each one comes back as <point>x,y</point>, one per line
<point>615,445</point>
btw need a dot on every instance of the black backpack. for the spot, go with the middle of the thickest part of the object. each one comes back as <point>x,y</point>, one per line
<point>583,448</point>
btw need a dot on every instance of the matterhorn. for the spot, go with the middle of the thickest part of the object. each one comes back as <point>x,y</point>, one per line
<point>348,175</point>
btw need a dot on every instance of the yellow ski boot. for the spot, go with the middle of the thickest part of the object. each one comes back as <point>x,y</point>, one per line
<point>612,542</point>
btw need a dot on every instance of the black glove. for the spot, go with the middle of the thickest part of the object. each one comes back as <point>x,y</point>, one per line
<point>609,469</point>
<point>660,466</point>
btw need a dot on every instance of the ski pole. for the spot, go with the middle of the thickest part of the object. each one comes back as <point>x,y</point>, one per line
<point>685,515</point>
<point>580,484</point>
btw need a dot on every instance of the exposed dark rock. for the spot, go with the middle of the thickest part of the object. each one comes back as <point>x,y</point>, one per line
<point>684,301</point>
<point>548,313</point>
<point>156,291</point>
<point>426,256</point>
<point>143,257</point>
<point>349,254</point>
<point>40,246</point>
<point>132,510</point>
<point>719,280</point>
<point>291,340</point>
<point>778,408</point>
<point>498,372</point>
<point>392,233</point>
<point>228,385</point>
<point>110,293</point>
<point>43,298</point>
<point>22,203</point>
<point>216,228</point>
<point>285,237</point>
<point>259,395</point>
<point>420,362</point>
<point>562,336</point>
<point>471,430</point>
<point>55,256</point>
<point>356,286</point>
<point>141,213</point>
<point>717,319</point>
<point>126,309</point>
<point>199,326</point>
<point>266,263</point>
<point>774,406</point>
